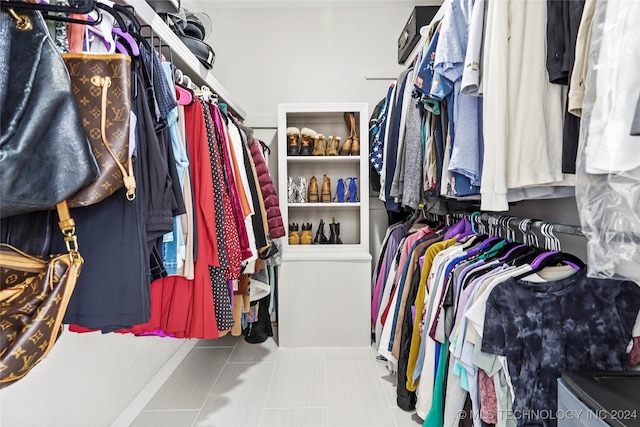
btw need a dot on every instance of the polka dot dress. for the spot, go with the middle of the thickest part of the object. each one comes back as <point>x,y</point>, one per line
<point>220,287</point>
<point>232,236</point>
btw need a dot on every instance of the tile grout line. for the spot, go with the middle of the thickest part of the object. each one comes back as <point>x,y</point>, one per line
<point>214,384</point>
<point>273,372</point>
<point>138,404</point>
<point>326,384</point>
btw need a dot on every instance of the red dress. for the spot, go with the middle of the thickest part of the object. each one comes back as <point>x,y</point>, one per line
<point>181,307</point>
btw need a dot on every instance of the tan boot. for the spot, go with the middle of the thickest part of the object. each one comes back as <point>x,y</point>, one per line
<point>326,189</point>
<point>355,146</point>
<point>320,146</point>
<point>313,190</point>
<point>345,150</point>
<point>294,236</point>
<point>293,135</point>
<point>306,238</point>
<point>332,145</point>
<point>306,144</point>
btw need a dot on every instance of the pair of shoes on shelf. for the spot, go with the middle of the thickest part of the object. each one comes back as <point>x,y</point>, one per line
<point>346,192</point>
<point>300,239</point>
<point>334,238</point>
<point>323,147</point>
<point>297,191</point>
<point>351,146</point>
<point>302,142</point>
<point>326,190</point>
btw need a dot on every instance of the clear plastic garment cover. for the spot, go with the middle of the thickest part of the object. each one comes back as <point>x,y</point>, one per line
<point>608,164</point>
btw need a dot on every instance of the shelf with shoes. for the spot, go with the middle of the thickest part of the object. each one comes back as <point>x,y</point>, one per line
<point>323,159</point>
<point>326,264</point>
<point>322,171</point>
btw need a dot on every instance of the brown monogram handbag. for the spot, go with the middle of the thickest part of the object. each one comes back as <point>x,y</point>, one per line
<point>101,86</point>
<point>34,294</point>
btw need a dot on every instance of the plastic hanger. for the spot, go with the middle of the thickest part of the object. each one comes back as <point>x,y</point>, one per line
<point>184,96</point>
<point>100,33</point>
<point>78,7</point>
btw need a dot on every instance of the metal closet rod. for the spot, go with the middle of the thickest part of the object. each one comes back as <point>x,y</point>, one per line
<point>513,222</point>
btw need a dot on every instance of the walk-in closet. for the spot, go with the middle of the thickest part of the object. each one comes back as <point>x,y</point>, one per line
<point>336,213</point>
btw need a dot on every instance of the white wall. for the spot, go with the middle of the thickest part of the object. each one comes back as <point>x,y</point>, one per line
<point>306,51</point>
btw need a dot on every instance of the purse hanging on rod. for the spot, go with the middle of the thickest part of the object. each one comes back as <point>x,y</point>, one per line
<point>45,156</point>
<point>34,294</point>
<point>102,87</point>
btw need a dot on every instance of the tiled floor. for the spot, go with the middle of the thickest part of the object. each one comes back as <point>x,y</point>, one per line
<point>228,383</point>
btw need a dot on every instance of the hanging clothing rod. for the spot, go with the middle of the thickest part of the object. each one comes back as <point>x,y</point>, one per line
<point>514,222</point>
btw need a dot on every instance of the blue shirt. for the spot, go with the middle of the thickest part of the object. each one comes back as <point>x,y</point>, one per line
<point>467,152</point>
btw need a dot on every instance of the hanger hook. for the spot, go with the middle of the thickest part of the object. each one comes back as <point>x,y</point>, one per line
<point>472,219</point>
<point>556,241</point>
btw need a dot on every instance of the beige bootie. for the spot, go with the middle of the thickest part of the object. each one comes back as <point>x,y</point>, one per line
<point>320,146</point>
<point>332,145</point>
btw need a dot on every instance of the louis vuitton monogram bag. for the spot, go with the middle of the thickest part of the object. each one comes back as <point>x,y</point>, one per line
<point>101,84</point>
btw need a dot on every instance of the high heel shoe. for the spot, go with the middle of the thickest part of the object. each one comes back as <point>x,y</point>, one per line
<point>352,190</point>
<point>340,191</point>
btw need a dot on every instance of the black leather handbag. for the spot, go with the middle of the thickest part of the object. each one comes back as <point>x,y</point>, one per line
<point>45,156</point>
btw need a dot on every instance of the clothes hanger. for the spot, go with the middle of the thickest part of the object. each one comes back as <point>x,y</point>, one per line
<point>129,12</point>
<point>552,259</point>
<point>99,37</point>
<point>80,7</point>
<point>552,256</point>
<point>115,37</point>
<point>121,30</point>
<point>53,12</point>
<point>184,96</point>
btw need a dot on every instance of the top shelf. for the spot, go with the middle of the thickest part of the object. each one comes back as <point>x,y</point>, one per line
<point>182,56</point>
<point>323,159</point>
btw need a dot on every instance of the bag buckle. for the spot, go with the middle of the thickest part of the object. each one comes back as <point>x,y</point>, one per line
<point>23,23</point>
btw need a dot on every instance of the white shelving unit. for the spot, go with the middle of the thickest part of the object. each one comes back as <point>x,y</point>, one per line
<point>324,290</point>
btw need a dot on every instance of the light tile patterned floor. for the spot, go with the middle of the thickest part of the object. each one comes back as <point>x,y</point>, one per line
<point>230,383</point>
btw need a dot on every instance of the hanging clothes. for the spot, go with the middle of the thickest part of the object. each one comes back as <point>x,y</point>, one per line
<point>479,312</point>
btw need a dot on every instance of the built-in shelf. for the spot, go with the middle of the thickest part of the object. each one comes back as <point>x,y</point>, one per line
<point>332,205</point>
<point>323,159</point>
<point>182,56</point>
<point>314,278</point>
